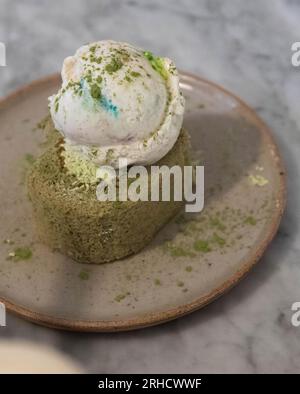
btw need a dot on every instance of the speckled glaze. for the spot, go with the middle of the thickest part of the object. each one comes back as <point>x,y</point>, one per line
<point>192,261</point>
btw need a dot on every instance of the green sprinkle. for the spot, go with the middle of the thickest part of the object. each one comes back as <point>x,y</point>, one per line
<point>84,275</point>
<point>8,242</point>
<point>258,180</point>
<point>219,240</point>
<point>114,65</point>
<point>215,222</point>
<point>178,251</point>
<point>121,297</point>
<point>250,220</point>
<point>97,60</point>
<point>42,124</point>
<point>95,91</point>
<point>135,74</point>
<point>202,246</point>
<point>127,78</point>
<point>29,158</point>
<point>157,64</point>
<point>21,253</point>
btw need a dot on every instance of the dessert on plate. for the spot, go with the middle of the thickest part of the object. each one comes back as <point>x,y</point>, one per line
<point>116,101</point>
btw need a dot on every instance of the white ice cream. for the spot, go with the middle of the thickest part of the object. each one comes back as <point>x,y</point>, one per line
<point>118,101</point>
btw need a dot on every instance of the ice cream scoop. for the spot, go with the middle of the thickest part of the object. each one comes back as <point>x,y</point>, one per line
<point>118,101</point>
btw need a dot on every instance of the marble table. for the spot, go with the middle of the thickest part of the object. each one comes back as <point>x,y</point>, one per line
<point>245,46</point>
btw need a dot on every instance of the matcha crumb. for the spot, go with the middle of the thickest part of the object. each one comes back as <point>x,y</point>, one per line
<point>157,282</point>
<point>202,246</point>
<point>99,79</point>
<point>95,91</point>
<point>121,297</point>
<point>29,158</point>
<point>258,180</point>
<point>219,240</point>
<point>264,204</point>
<point>93,48</point>
<point>251,220</point>
<point>135,74</point>
<point>8,242</point>
<point>178,251</point>
<point>42,124</point>
<point>127,78</point>
<point>189,268</point>
<point>114,65</point>
<point>180,283</point>
<point>21,253</point>
<point>84,275</point>
<point>215,222</point>
<point>95,59</point>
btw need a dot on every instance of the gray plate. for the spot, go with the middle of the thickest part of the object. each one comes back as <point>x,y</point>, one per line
<point>192,260</point>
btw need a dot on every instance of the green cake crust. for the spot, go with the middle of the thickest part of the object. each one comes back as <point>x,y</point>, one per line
<point>69,218</point>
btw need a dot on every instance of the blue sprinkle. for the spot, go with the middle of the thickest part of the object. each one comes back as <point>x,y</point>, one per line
<point>90,103</point>
<point>109,106</point>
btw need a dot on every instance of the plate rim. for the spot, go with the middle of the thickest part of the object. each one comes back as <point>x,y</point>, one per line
<point>160,317</point>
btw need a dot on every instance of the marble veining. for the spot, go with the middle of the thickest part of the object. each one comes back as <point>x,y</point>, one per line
<point>244,46</point>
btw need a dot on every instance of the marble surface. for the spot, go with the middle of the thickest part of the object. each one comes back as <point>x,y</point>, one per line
<point>244,46</point>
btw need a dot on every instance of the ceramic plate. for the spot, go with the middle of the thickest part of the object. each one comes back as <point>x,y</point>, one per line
<point>192,261</point>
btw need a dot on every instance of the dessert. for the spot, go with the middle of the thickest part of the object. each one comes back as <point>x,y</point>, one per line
<point>116,101</point>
